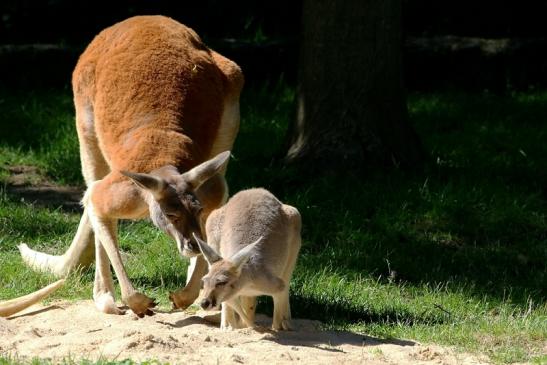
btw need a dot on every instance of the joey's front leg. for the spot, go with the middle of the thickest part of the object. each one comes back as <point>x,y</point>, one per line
<point>246,318</point>
<point>184,297</point>
<point>228,318</point>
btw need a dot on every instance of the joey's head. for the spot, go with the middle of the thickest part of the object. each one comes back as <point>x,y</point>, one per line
<point>222,281</point>
<point>176,201</point>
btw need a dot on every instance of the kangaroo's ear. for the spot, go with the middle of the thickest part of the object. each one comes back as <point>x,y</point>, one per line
<point>242,256</point>
<point>153,184</point>
<point>208,252</point>
<point>204,171</point>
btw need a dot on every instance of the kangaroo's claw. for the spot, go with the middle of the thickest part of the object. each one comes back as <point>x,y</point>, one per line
<point>140,304</point>
<point>181,299</point>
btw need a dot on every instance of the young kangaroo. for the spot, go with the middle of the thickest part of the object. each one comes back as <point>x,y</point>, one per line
<point>254,241</point>
<point>156,113</point>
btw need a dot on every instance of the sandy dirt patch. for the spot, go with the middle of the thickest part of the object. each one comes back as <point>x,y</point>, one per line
<point>77,330</point>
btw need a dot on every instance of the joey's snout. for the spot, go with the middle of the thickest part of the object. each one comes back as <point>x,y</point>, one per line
<point>208,304</point>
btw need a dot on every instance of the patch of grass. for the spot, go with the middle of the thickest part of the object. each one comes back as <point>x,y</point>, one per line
<point>38,129</point>
<point>455,255</point>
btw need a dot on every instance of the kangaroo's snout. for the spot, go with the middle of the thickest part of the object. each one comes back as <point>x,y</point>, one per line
<point>187,247</point>
<point>191,246</point>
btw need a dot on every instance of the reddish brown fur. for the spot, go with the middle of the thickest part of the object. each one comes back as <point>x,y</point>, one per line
<point>169,114</point>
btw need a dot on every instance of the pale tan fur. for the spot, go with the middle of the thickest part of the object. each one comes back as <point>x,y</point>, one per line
<point>253,244</point>
<point>10,307</point>
<point>150,97</point>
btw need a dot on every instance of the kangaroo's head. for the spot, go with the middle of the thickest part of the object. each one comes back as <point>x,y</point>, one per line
<point>178,201</point>
<point>222,281</point>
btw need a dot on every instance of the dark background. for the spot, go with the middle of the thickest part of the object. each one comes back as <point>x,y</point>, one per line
<point>471,45</point>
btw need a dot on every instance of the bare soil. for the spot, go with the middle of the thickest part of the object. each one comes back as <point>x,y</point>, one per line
<point>77,330</point>
<point>30,184</point>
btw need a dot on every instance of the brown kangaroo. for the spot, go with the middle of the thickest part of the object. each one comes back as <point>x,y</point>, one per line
<point>156,114</point>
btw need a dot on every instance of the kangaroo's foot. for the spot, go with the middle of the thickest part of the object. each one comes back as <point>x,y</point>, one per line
<point>140,304</point>
<point>105,303</point>
<point>283,325</point>
<point>182,298</point>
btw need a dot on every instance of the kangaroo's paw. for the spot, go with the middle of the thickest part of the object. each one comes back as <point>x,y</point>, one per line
<point>283,325</point>
<point>182,298</point>
<point>140,304</point>
<point>105,303</point>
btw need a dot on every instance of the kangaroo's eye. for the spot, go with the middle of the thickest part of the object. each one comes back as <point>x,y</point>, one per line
<point>222,283</point>
<point>173,217</point>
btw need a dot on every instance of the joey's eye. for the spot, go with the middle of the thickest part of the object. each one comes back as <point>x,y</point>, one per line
<point>222,283</point>
<point>201,284</point>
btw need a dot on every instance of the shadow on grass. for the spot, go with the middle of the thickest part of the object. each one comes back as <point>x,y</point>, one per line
<point>332,313</point>
<point>66,198</point>
<point>327,340</point>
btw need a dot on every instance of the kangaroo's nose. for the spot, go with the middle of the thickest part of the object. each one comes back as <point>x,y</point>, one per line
<point>205,303</point>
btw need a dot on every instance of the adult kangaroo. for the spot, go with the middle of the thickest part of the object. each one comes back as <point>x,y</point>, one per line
<point>156,113</point>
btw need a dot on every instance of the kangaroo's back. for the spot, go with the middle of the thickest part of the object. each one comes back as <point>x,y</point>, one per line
<point>153,94</point>
<point>252,214</point>
<point>248,215</point>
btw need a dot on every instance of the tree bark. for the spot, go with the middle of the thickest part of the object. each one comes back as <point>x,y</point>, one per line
<point>351,105</point>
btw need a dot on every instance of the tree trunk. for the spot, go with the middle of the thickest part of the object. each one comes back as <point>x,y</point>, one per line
<point>351,103</point>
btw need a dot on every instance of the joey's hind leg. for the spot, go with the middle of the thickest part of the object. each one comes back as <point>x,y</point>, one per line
<point>282,311</point>
<point>248,306</point>
<point>282,308</point>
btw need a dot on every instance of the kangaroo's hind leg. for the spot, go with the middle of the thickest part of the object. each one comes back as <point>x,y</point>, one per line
<point>94,167</point>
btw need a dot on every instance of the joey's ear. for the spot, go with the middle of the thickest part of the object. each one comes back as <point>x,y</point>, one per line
<point>208,252</point>
<point>204,171</point>
<point>153,184</point>
<point>242,256</point>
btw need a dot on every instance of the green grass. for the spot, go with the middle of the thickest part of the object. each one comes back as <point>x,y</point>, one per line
<point>455,255</point>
